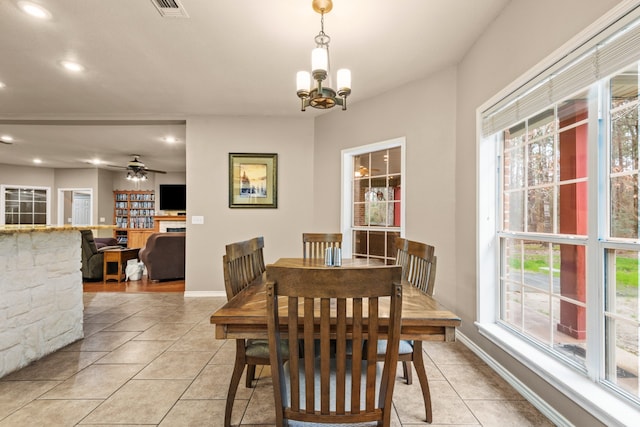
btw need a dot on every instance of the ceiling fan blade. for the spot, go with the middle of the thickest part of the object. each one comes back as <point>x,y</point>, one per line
<point>113,166</point>
<point>154,170</point>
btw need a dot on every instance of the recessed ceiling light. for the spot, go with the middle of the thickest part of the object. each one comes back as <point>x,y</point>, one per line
<point>34,10</point>
<point>6,138</point>
<point>96,161</point>
<point>2,85</point>
<point>170,139</point>
<point>37,161</point>
<point>72,66</point>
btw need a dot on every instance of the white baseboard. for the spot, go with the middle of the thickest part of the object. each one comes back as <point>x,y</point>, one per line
<point>547,410</point>
<point>200,294</point>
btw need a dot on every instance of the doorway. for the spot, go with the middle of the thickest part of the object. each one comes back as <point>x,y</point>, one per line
<point>75,206</point>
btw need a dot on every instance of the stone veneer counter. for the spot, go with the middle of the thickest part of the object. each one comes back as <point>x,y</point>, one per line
<point>40,292</point>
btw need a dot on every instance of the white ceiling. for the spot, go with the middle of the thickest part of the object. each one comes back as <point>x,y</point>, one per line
<point>231,57</point>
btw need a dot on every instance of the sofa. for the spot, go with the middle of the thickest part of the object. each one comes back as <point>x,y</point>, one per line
<point>163,255</point>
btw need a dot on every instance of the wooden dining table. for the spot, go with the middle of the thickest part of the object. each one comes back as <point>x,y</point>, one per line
<point>245,315</point>
<point>423,319</point>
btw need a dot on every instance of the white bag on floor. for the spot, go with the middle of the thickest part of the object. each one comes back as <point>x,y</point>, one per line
<point>134,269</point>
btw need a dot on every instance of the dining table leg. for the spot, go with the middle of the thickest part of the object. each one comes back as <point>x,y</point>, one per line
<point>418,362</point>
<point>238,367</point>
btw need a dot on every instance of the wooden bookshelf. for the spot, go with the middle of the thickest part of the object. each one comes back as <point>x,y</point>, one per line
<point>133,216</point>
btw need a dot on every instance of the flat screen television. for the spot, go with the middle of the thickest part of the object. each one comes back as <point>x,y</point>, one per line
<point>173,197</point>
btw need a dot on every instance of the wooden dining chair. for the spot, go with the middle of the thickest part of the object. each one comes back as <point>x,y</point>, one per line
<point>243,264</point>
<point>315,244</point>
<point>337,305</point>
<point>418,262</point>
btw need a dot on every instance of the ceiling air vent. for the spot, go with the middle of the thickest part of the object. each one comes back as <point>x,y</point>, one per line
<point>170,8</point>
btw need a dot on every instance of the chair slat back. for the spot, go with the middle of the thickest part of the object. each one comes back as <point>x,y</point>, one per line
<point>332,307</point>
<point>242,264</point>
<point>315,244</point>
<point>418,263</point>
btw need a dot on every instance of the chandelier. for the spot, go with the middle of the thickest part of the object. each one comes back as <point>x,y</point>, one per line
<point>136,175</point>
<point>314,93</point>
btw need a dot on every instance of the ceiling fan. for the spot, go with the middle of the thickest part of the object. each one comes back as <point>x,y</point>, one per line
<point>135,165</point>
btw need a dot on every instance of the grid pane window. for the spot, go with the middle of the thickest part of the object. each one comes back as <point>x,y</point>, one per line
<point>25,206</point>
<point>622,311</point>
<point>377,203</point>
<point>543,294</point>
<point>548,219</point>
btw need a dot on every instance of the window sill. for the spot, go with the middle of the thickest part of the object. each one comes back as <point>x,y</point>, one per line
<point>609,408</point>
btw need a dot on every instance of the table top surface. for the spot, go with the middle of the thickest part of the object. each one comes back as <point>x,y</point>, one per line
<point>249,306</point>
<point>121,250</point>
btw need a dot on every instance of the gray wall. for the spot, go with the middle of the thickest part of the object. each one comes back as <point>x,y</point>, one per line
<point>209,142</point>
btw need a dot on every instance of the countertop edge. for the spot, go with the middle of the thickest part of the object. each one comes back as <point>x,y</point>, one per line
<point>9,229</point>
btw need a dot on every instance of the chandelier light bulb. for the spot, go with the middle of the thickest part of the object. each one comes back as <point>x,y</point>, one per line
<point>319,59</point>
<point>303,81</point>
<point>344,79</point>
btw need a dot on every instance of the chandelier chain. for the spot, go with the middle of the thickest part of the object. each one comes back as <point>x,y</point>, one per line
<point>322,39</point>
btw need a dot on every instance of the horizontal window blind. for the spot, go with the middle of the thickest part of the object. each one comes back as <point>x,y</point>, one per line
<point>613,49</point>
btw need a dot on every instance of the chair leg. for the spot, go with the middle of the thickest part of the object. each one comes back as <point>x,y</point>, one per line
<point>418,362</point>
<point>251,375</point>
<point>406,369</point>
<point>238,367</point>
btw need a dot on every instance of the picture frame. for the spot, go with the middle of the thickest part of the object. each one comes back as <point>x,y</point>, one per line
<point>253,180</point>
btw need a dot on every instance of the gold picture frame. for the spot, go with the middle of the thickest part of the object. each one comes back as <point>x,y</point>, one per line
<point>253,180</point>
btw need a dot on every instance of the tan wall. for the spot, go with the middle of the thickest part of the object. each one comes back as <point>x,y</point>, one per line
<point>209,142</point>
<point>105,201</point>
<point>424,113</point>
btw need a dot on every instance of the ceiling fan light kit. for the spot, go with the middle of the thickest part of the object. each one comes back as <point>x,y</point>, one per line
<point>137,171</point>
<point>137,175</point>
<point>322,97</point>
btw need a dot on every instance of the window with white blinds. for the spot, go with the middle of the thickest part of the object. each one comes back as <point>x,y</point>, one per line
<point>559,208</point>
<point>612,49</point>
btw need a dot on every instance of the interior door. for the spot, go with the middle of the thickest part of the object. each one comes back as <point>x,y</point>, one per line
<point>81,212</point>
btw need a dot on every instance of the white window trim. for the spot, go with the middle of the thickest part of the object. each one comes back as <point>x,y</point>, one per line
<point>3,187</point>
<point>347,187</point>
<point>595,397</point>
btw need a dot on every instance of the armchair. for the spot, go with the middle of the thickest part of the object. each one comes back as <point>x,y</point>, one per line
<point>164,256</point>
<point>92,257</point>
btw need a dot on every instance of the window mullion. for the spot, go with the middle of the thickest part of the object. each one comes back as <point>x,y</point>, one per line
<point>597,155</point>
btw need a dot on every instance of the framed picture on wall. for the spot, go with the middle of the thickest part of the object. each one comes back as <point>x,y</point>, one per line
<point>253,180</point>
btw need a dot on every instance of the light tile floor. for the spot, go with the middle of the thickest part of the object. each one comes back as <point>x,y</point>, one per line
<point>151,359</point>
